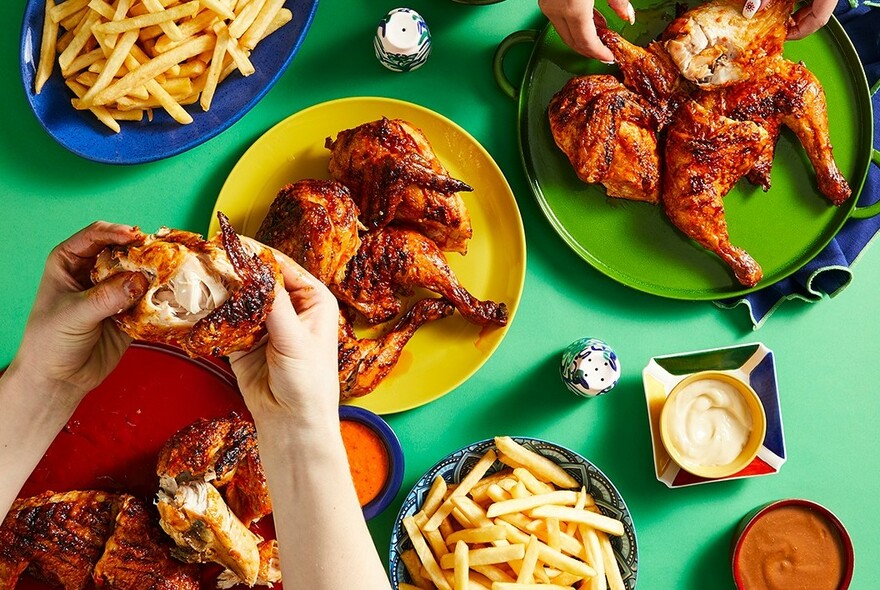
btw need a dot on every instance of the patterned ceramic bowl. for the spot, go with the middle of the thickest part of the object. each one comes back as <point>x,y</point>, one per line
<point>456,465</point>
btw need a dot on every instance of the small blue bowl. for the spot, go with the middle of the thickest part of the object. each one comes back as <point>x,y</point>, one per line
<point>147,141</point>
<point>395,456</point>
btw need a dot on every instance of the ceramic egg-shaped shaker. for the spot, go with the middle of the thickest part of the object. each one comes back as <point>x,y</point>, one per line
<point>589,367</point>
<point>402,41</point>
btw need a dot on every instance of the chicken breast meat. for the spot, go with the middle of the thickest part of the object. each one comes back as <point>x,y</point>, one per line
<point>210,297</point>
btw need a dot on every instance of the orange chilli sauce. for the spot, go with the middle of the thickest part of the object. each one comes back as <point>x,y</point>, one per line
<point>367,459</point>
<point>791,548</point>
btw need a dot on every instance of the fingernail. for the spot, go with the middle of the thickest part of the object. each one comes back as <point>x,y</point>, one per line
<point>610,63</point>
<point>750,8</point>
<point>631,14</point>
<point>135,286</point>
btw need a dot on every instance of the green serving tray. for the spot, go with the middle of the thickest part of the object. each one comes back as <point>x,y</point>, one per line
<point>633,242</point>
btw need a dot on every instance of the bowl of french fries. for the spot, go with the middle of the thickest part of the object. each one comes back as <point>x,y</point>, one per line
<point>133,81</point>
<point>513,513</point>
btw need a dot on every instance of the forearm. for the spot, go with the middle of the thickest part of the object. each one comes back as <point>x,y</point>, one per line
<point>323,538</point>
<point>30,419</point>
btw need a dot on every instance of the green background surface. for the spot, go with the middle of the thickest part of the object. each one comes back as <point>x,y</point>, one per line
<point>826,353</point>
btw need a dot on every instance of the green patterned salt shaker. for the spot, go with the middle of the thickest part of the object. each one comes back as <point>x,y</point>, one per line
<point>589,367</point>
<point>402,41</point>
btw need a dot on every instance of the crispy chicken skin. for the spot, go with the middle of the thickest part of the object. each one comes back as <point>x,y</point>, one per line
<point>224,452</point>
<point>210,297</point>
<point>396,260</point>
<point>792,96</point>
<point>394,175</point>
<point>608,134</point>
<point>56,537</point>
<point>714,45</point>
<point>315,222</point>
<point>138,556</point>
<point>365,362</point>
<point>705,156</point>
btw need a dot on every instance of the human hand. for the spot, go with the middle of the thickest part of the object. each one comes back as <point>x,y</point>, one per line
<point>807,20</point>
<point>575,22</point>
<point>70,345</point>
<point>293,374</point>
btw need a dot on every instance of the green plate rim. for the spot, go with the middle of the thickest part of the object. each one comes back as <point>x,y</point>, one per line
<point>865,150</point>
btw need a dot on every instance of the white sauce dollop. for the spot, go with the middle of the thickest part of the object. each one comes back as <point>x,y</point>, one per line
<point>709,422</point>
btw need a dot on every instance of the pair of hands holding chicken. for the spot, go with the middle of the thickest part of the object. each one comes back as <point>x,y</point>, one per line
<point>289,383</point>
<point>574,21</point>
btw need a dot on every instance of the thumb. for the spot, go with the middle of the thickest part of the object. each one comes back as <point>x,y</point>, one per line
<point>108,298</point>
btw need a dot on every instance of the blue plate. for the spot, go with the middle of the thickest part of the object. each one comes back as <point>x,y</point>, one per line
<point>395,456</point>
<point>147,141</point>
<point>456,465</point>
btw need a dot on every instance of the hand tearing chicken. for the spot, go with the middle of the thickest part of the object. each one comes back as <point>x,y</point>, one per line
<point>210,297</point>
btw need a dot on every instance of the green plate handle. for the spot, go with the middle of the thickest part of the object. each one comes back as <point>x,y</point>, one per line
<point>516,38</point>
<point>870,210</point>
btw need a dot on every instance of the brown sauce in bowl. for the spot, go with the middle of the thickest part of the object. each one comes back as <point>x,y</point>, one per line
<point>791,548</point>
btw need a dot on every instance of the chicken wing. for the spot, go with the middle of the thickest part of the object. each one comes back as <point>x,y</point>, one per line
<point>56,537</point>
<point>609,135</point>
<point>138,557</point>
<point>714,45</point>
<point>705,155</point>
<point>394,175</point>
<point>396,260</point>
<point>792,96</point>
<point>365,362</point>
<point>315,222</point>
<point>208,297</point>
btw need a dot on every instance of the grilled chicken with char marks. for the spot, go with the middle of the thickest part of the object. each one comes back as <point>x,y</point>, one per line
<point>70,538</point>
<point>210,297</point>
<point>365,362</point>
<point>792,96</point>
<point>56,537</point>
<point>194,464</point>
<point>395,176</point>
<point>609,135</point>
<point>396,260</point>
<point>138,557</point>
<point>705,155</point>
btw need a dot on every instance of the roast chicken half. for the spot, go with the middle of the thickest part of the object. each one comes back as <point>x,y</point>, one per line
<point>210,297</point>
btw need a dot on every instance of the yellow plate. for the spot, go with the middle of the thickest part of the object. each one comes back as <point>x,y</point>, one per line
<point>442,354</point>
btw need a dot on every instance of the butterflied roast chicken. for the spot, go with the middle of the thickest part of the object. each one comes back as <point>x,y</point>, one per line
<point>394,175</point>
<point>210,297</point>
<point>194,465</point>
<point>743,92</point>
<point>70,538</point>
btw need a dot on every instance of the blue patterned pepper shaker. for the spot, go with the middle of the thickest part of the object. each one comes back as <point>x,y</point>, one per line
<point>402,40</point>
<point>589,367</point>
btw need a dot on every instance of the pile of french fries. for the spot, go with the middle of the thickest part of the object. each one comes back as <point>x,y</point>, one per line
<point>522,528</point>
<point>123,58</point>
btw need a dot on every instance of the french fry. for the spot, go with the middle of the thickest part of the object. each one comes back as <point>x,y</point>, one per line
<point>151,18</point>
<point>484,534</point>
<point>487,556</point>
<point>112,65</point>
<point>561,497</point>
<point>77,44</point>
<point>168,26</point>
<point>437,542</point>
<point>47,48</point>
<point>100,112</point>
<point>598,521</point>
<point>435,496</point>
<point>61,11</point>
<point>554,537</point>
<point>541,467</point>
<point>283,17</point>
<point>529,561</point>
<point>212,77</point>
<point>245,18</point>
<point>405,586</point>
<point>594,549</point>
<point>531,482</point>
<point>425,555</point>
<point>461,579</point>
<point>612,571</point>
<point>261,22</point>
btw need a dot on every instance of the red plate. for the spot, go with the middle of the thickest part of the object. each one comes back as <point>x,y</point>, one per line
<point>112,440</point>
